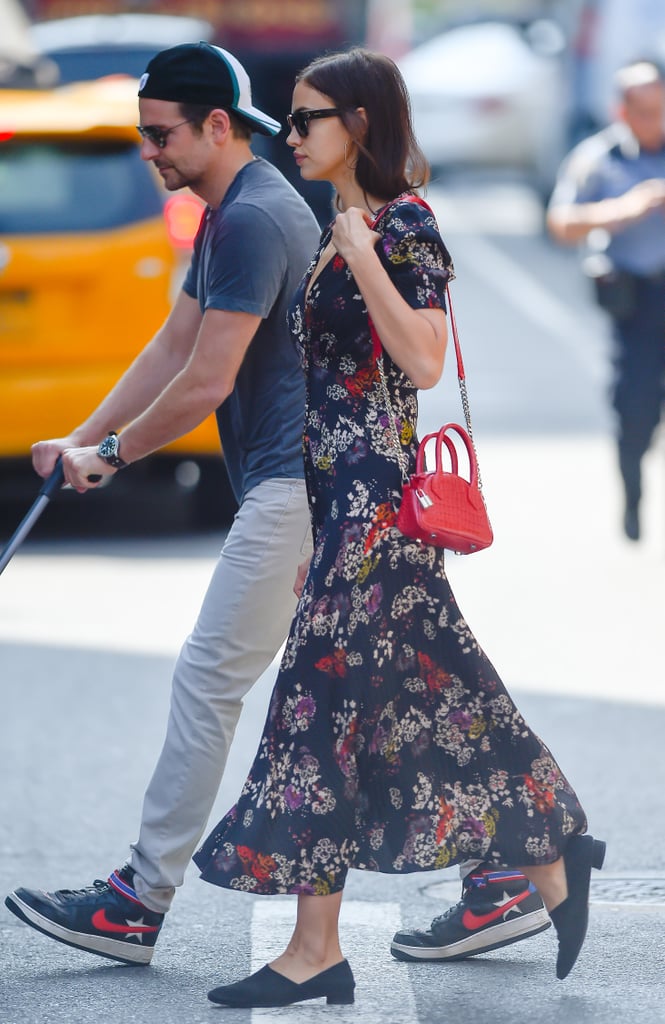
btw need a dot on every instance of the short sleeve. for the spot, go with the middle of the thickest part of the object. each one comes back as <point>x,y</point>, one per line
<point>246,268</point>
<point>579,179</point>
<point>414,255</point>
<point>189,283</point>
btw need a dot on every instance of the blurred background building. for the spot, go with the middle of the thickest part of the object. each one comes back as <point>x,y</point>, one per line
<point>555,70</point>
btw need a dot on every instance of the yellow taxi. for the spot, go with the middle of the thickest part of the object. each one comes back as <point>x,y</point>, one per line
<point>90,254</point>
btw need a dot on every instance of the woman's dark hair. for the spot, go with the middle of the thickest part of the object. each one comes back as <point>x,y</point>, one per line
<point>196,114</point>
<point>390,160</point>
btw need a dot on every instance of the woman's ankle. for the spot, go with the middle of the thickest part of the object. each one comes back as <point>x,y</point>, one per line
<point>550,881</point>
<point>302,964</point>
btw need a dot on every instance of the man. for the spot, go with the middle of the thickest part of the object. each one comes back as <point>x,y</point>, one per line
<point>224,346</point>
<point>611,195</point>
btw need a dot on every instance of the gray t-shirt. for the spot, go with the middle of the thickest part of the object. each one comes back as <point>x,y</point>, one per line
<point>249,256</point>
<point>605,166</point>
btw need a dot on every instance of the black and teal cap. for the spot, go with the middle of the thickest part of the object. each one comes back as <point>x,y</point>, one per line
<point>206,74</point>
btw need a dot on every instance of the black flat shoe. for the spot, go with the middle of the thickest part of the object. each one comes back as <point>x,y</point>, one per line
<point>268,988</point>
<point>571,917</point>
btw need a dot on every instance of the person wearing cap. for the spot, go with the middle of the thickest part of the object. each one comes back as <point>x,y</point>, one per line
<point>225,346</point>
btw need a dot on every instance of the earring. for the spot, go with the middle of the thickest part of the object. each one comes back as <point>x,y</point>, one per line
<point>352,166</point>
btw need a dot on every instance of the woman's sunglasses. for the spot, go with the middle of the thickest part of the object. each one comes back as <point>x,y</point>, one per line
<point>300,119</point>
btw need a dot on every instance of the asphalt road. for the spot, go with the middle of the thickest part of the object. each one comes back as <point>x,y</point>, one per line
<point>570,613</point>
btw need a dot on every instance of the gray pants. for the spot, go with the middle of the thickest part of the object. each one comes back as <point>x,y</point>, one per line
<point>244,619</point>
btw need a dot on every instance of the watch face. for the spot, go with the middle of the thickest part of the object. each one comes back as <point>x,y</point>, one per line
<point>109,446</point>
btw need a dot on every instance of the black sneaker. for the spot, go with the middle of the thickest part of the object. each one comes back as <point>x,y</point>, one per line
<point>107,918</point>
<point>496,909</point>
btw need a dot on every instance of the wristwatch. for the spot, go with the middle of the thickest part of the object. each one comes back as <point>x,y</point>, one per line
<point>109,449</point>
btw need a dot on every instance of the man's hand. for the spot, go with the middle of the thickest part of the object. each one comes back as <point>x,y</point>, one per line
<point>646,197</point>
<point>301,576</point>
<point>79,464</point>
<point>45,454</point>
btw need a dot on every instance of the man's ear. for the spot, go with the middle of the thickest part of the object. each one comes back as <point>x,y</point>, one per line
<point>220,123</point>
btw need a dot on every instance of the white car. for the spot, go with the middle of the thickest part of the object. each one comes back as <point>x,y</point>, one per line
<point>92,45</point>
<point>22,65</point>
<point>491,95</point>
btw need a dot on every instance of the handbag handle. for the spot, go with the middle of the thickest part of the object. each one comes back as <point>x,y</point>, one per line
<point>441,439</point>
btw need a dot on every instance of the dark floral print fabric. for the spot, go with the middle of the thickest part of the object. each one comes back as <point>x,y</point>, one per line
<point>390,742</point>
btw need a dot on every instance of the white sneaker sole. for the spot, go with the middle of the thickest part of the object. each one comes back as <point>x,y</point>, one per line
<point>502,934</point>
<point>114,949</point>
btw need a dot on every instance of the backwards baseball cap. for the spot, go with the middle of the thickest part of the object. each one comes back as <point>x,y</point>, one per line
<point>206,74</point>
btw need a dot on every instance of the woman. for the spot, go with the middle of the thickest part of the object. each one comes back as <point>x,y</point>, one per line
<point>390,744</point>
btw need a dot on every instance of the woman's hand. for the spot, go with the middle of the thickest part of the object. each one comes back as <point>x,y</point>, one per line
<point>352,235</point>
<point>301,576</point>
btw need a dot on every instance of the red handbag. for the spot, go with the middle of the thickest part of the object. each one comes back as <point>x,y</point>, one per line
<point>441,506</point>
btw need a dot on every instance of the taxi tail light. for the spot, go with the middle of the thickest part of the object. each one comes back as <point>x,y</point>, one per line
<point>183,216</point>
<point>6,136</point>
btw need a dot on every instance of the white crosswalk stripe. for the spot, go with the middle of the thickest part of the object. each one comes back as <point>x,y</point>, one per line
<point>366,929</point>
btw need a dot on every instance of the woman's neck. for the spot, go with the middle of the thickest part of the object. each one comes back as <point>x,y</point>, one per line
<point>350,194</point>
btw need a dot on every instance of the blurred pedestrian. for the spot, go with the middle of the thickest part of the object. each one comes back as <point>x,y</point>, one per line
<point>225,346</point>
<point>610,195</point>
<point>390,744</point>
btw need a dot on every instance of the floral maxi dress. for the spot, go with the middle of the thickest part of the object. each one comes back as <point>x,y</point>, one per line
<point>390,743</point>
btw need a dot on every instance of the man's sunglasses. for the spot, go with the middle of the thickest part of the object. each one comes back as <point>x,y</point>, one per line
<point>300,119</point>
<point>158,136</point>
